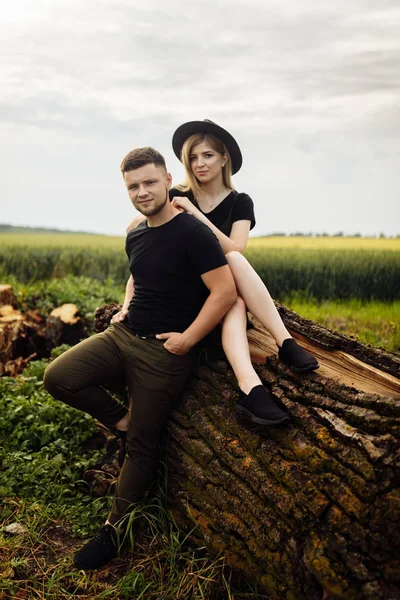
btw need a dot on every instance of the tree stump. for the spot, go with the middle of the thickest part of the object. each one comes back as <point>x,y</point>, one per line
<point>308,511</point>
<point>64,325</point>
<point>17,345</point>
<point>27,335</point>
<point>7,295</point>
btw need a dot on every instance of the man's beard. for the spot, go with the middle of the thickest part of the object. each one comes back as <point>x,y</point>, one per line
<point>153,211</point>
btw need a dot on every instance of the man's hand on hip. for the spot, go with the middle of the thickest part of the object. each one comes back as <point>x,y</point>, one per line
<point>176,343</point>
<point>119,316</point>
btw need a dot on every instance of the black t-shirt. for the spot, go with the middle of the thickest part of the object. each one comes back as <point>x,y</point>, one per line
<point>237,206</point>
<point>166,263</point>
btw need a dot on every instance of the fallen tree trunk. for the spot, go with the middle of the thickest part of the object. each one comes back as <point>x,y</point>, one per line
<point>309,511</point>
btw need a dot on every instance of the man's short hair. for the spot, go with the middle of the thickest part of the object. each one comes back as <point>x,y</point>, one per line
<point>140,157</point>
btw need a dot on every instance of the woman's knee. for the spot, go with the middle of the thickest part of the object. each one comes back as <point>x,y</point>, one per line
<point>238,311</point>
<point>239,305</point>
<point>234,257</point>
<point>236,261</point>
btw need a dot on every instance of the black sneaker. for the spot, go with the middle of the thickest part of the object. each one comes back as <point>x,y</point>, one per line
<point>296,358</point>
<point>99,551</point>
<point>258,407</point>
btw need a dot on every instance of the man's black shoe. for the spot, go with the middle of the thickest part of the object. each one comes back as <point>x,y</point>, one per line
<point>258,407</point>
<point>99,551</point>
<point>296,358</point>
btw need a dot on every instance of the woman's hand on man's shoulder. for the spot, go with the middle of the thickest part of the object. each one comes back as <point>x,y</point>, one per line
<point>183,204</point>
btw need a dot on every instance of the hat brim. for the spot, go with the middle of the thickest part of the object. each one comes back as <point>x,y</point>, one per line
<point>192,127</point>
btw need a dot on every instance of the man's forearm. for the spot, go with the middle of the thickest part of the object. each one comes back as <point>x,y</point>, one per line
<point>214,309</point>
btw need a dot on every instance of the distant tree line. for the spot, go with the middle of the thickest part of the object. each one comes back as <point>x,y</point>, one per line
<point>5,228</point>
<point>324,234</point>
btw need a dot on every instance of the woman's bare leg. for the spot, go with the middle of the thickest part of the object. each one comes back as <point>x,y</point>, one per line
<point>236,346</point>
<point>260,304</point>
<point>257,297</point>
<point>254,404</point>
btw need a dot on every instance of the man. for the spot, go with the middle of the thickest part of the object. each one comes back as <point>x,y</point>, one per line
<point>181,287</point>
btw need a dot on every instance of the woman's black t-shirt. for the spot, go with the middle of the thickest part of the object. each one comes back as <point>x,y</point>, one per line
<point>237,206</point>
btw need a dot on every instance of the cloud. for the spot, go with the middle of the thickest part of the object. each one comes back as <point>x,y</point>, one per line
<point>311,89</point>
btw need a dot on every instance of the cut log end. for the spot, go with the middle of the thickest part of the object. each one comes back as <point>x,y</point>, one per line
<point>67,314</point>
<point>7,295</point>
<point>8,314</point>
<point>64,325</point>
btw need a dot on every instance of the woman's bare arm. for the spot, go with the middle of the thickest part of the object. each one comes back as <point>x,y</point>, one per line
<point>239,233</point>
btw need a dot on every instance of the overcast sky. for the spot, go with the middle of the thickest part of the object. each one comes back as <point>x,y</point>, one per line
<point>310,90</point>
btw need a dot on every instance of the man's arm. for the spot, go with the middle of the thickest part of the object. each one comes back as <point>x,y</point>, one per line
<point>129,291</point>
<point>222,296</point>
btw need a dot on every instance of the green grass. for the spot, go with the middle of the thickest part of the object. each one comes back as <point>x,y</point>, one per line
<point>375,323</point>
<point>39,438</point>
<point>160,566</point>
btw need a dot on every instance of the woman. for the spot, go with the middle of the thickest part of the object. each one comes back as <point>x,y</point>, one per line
<point>211,156</point>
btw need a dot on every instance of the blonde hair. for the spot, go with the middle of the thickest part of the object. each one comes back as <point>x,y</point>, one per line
<point>190,182</point>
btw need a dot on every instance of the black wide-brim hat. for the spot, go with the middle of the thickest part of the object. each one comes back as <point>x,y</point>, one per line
<point>206,126</point>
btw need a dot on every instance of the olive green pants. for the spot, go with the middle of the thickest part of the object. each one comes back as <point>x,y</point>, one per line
<point>154,377</point>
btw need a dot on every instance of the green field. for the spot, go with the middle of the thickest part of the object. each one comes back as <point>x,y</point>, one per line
<point>318,268</point>
<point>62,240</point>
<point>116,242</point>
<point>349,284</point>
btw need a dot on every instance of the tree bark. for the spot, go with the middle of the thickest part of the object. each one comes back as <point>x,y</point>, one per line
<point>311,510</point>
